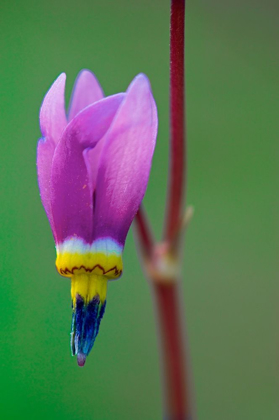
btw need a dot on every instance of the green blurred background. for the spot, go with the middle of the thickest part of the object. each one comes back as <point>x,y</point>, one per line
<point>230,281</point>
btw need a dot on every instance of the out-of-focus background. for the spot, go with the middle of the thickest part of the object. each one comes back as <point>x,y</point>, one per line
<point>230,280</point>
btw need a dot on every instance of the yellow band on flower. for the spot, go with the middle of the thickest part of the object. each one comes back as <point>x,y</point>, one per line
<point>102,258</point>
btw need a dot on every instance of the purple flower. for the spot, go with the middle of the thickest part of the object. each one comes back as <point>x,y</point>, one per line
<point>93,169</point>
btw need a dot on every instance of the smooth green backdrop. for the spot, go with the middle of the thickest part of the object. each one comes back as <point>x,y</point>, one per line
<point>230,280</point>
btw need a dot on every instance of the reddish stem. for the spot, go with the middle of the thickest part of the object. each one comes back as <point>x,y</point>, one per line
<point>177,129</point>
<point>177,404</point>
<point>176,378</point>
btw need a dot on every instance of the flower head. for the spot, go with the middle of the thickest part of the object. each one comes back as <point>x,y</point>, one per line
<point>93,168</point>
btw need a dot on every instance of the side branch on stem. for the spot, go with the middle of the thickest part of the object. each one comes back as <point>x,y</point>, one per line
<point>144,232</point>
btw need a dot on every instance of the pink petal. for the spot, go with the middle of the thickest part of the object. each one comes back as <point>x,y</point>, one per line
<point>92,158</point>
<point>52,114</point>
<point>125,162</point>
<point>45,151</point>
<point>71,192</point>
<point>52,121</point>
<point>86,91</point>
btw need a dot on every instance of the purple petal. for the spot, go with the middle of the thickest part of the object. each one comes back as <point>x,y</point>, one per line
<point>125,162</point>
<point>45,151</point>
<point>92,158</point>
<point>71,191</point>
<point>52,121</point>
<point>86,91</point>
<point>52,114</point>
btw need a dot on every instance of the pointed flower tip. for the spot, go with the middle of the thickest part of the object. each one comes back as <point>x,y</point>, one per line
<point>140,88</point>
<point>84,72</point>
<point>142,80</point>
<point>60,80</point>
<point>58,83</point>
<point>142,76</point>
<point>87,90</point>
<point>53,103</point>
<point>62,76</point>
<point>81,359</point>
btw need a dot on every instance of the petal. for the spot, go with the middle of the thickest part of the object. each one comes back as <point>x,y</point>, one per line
<point>86,91</point>
<point>52,122</point>
<point>45,152</point>
<point>71,197</point>
<point>92,158</point>
<point>125,162</point>
<point>52,114</point>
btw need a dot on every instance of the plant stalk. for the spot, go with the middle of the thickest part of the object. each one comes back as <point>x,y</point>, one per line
<point>162,260</point>
<point>177,184</point>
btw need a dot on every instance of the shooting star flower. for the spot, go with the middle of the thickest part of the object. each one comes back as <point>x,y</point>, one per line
<point>93,169</point>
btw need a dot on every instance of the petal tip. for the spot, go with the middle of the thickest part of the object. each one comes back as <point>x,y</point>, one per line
<point>58,82</point>
<point>85,72</point>
<point>61,77</point>
<point>54,96</point>
<point>141,79</point>
<point>140,86</point>
<point>86,91</point>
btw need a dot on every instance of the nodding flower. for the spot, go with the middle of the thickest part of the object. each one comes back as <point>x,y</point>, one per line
<point>93,168</point>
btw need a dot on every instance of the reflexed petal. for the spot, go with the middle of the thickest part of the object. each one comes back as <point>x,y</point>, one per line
<point>45,151</point>
<point>86,91</point>
<point>71,196</point>
<point>52,114</point>
<point>125,162</point>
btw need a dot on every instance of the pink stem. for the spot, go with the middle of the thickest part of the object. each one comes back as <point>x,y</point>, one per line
<point>177,112</point>
<point>176,378</point>
<point>177,394</point>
